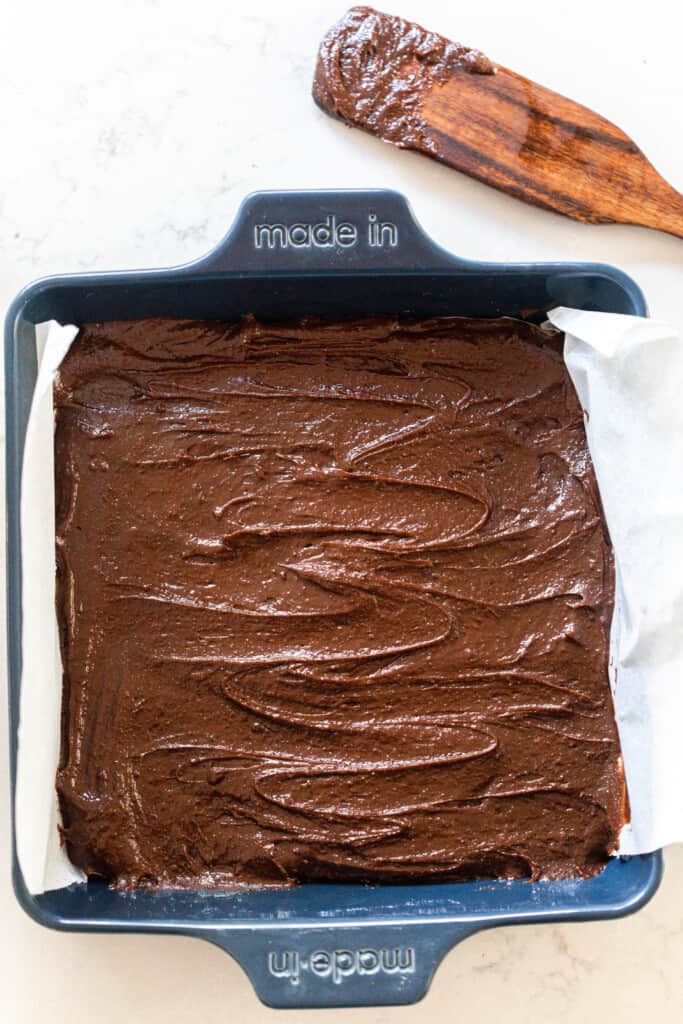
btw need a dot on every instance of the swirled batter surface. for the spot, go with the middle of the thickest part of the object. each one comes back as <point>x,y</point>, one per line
<point>334,601</point>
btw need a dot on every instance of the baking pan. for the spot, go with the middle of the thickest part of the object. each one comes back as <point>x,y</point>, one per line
<point>325,254</point>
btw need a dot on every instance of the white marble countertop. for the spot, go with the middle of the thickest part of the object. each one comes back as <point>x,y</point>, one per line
<point>131,133</point>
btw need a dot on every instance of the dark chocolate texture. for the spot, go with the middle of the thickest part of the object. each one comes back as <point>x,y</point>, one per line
<point>374,70</point>
<point>334,602</point>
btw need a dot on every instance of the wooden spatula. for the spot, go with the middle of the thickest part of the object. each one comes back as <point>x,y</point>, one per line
<point>421,91</point>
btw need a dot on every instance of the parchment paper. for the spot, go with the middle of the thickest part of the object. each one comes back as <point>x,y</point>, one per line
<point>43,861</point>
<point>628,373</point>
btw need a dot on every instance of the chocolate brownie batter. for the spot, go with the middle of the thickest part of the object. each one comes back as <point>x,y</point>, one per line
<point>334,602</point>
<point>375,69</point>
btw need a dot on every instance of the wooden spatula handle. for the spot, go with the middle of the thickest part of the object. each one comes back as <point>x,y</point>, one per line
<point>548,150</point>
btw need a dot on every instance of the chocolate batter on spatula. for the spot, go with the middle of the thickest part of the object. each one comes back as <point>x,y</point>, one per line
<point>421,91</point>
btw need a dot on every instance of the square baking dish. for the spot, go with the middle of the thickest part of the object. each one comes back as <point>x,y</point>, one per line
<point>335,254</point>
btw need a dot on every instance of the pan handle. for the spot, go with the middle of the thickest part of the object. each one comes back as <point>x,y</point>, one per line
<point>348,965</point>
<point>300,232</point>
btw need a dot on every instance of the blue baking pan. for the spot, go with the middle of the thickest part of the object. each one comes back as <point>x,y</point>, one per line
<point>324,254</point>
